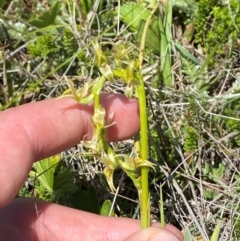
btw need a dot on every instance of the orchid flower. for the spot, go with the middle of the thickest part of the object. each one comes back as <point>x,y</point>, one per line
<point>131,166</point>
<point>128,76</point>
<point>82,94</point>
<point>110,165</point>
<point>96,145</point>
<point>101,61</point>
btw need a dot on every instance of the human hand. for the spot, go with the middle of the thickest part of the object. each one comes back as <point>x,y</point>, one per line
<point>38,130</point>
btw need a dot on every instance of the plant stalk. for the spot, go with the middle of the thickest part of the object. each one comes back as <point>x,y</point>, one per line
<point>144,192</point>
<point>97,90</point>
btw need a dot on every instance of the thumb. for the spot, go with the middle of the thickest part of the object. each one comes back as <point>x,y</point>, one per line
<point>153,234</point>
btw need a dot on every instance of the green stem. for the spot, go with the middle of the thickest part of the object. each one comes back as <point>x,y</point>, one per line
<point>144,194</point>
<point>97,90</point>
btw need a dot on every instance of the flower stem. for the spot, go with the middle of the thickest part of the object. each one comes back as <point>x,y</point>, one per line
<point>144,193</point>
<point>97,90</point>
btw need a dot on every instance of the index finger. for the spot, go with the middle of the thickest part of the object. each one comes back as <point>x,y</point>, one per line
<point>34,131</point>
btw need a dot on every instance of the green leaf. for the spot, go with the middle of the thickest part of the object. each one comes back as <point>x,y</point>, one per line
<point>164,25</point>
<point>86,6</point>
<point>64,182</point>
<point>136,16</point>
<point>133,14</point>
<point>153,36</point>
<point>209,194</point>
<point>48,17</point>
<point>45,171</point>
<point>86,200</point>
<point>52,179</point>
<point>186,54</point>
<point>218,172</point>
<point>106,208</point>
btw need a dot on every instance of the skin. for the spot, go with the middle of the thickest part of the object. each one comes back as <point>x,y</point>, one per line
<point>38,130</point>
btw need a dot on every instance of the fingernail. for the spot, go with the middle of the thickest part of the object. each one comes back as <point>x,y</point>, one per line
<point>164,237</point>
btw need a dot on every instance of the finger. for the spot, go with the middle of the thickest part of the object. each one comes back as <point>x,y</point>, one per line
<point>34,131</point>
<point>55,222</point>
<point>170,228</point>
<point>59,223</point>
<point>153,234</point>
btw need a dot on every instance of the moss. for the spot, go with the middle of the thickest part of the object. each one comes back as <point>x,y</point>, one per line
<point>216,24</point>
<point>44,45</point>
<point>191,136</point>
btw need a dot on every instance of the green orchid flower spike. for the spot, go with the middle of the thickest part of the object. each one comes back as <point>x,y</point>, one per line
<point>117,64</point>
